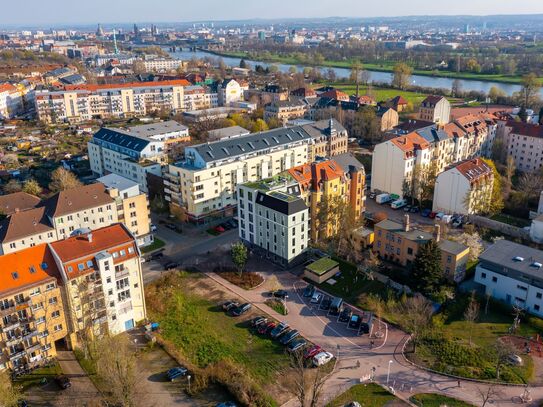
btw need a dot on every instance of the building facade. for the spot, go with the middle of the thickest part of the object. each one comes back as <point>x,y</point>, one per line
<point>229,91</point>
<point>525,144</point>
<point>274,220</point>
<point>284,110</point>
<point>435,109</point>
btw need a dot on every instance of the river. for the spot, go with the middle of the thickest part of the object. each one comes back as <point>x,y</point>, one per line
<point>376,76</point>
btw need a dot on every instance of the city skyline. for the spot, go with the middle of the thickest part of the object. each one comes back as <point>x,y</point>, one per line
<point>64,12</point>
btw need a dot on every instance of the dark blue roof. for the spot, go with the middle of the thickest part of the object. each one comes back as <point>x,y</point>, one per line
<point>432,134</point>
<point>122,139</point>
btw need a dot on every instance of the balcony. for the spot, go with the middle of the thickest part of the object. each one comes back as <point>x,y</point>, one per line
<point>33,348</point>
<point>16,355</point>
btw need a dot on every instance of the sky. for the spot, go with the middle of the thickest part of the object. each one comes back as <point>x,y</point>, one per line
<point>65,12</point>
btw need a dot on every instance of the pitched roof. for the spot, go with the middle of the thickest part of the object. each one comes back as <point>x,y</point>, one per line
<point>176,82</point>
<point>122,138</point>
<point>26,268</point>
<point>18,201</point>
<point>102,239</point>
<point>313,175</point>
<point>453,130</point>
<point>410,142</point>
<point>335,94</point>
<point>77,199</point>
<point>473,169</point>
<point>322,128</point>
<point>303,92</point>
<point>348,162</point>
<point>525,129</point>
<point>398,100</point>
<point>22,224</point>
<point>432,100</point>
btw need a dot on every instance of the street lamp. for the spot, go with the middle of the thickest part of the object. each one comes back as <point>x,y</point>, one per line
<point>388,372</point>
<point>188,378</point>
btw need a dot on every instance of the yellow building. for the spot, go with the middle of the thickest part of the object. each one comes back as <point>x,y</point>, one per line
<point>32,318</point>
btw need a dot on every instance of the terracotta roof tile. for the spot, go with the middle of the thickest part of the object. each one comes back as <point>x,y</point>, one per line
<point>410,142</point>
<point>313,175</point>
<point>473,169</point>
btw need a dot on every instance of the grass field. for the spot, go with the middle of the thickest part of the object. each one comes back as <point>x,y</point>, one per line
<point>447,348</point>
<point>36,377</point>
<point>437,400</point>
<point>157,244</point>
<point>368,395</point>
<point>389,67</point>
<point>382,94</point>
<point>205,336</point>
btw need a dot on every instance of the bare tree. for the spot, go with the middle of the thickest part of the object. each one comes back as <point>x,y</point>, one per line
<point>416,316</point>
<point>471,314</point>
<point>307,383</point>
<point>62,179</point>
<point>487,394</point>
<point>12,186</point>
<point>502,350</point>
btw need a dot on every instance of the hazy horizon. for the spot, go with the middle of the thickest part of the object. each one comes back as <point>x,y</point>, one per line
<point>68,12</point>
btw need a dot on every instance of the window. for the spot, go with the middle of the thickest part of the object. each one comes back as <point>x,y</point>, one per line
<point>123,252</point>
<point>494,279</point>
<point>81,266</point>
<point>122,283</point>
<point>55,314</point>
<point>131,250</point>
<point>123,295</point>
<point>115,255</point>
<point>483,275</point>
<point>132,205</point>
<point>538,296</point>
<point>53,300</point>
<point>108,280</point>
<point>50,286</point>
<point>40,320</point>
<point>35,291</point>
<point>57,328</point>
<point>409,251</point>
<point>89,263</point>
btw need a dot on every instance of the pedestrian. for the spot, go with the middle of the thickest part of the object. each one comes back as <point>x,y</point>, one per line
<point>458,383</point>
<point>371,344</point>
<point>357,364</point>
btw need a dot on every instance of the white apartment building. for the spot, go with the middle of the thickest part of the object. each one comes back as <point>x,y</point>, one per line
<point>11,101</point>
<point>162,64</point>
<point>85,102</point>
<point>102,273</point>
<point>274,219</point>
<point>435,109</point>
<point>229,91</point>
<point>133,153</point>
<point>204,184</point>
<point>467,137</point>
<point>198,98</point>
<point>511,272</point>
<point>525,144</point>
<point>465,188</point>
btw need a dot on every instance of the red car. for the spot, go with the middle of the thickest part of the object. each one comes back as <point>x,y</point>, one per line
<point>219,229</point>
<point>265,328</point>
<point>312,351</point>
<point>432,215</point>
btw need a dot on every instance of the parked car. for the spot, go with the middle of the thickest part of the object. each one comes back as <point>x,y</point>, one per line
<point>372,195</point>
<point>176,372</point>
<point>153,228</point>
<point>353,404</point>
<point>226,226</point>
<point>414,209</point>
<point>399,203</point>
<point>63,382</point>
<point>255,322</point>
<point>432,215</point>
<point>240,310</point>
<point>289,336</point>
<point>171,265</point>
<point>322,358</point>
<point>355,321</point>
<point>345,315</point>
<point>170,226</point>
<point>309,290</point>
<point>514,360</point>
<point>278,330</point>
<point>283,294</point>
<point>265,329</point>
<point>156,256</point>
<point>219,229</point>
<point>296,345</point>
<point>312,351</point>
<point>233,223</point>
<point>425,213</point>
<point>407,208</point>
<point>316,298</point>
<point>326,302</point>
<point>226,306</point>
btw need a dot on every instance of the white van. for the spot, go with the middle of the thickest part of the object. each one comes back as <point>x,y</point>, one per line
<point>400,203</point>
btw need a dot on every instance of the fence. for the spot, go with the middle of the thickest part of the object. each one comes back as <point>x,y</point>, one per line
<point>504,228</point>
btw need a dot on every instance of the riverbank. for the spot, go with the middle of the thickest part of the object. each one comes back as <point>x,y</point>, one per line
<point>388,68</point>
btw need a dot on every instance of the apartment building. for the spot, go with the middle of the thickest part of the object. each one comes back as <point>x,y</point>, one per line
<point>163,64</point>
<point>511,272</point>
<point>436,109</point>
<point>339,179</point>
<point>330,139</point>
<point>133,153</point>
<point>285,110</point>
<point>229,91</point>
<point>274,220</point>
<point>395,160</point>
<point>465,188</point>
<point>102,276</point>
<point>400,243</point>
<point>388,118</point>
<point>69,212</point>
<point>204,184</point>
<point>85,102</point>
<point>11,100</point>
<point>198,98</point>
<point>525,144</point>
<point>32,317</point>
<point>132,206</point>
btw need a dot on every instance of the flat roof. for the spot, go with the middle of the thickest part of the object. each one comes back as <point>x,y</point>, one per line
<point>117,181</point>
<point>523,259</point>
<point>154,129</point>
<point>321,266</point>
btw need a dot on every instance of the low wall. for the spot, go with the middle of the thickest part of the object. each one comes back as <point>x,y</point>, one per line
<point>504,228</point>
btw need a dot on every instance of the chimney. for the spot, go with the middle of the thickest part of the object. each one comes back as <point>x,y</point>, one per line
<point>437,233</point>
<point>406,223</point>
<point>89,237</point>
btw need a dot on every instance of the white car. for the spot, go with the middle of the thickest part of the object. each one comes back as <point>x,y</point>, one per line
<point>515,360</point>
<point>153,228</point>
<point>316,298</point>
<point>322,358</point>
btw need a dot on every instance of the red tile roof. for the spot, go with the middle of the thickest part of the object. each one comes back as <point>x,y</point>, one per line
<point>474,169</point>
<point>525,129</point>
<point>336,95</point>
<point>313,175</point>
<point>26,268</point>
<point>176,82</point>
<point>410,142</point>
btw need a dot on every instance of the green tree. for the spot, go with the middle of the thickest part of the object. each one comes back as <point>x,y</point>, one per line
<point>427,272</point>
<point>62,179</point>
<point>496,93</point>
<point>243,63</point>
<point>9,394</point>
<point>259,125</point>
<point>292,70</point>
<point>401,77</point>
<point>529,88</point>
<point>496,203</point>
<point>239,256</point>
<point>32,187</point>
<point>356,70</point>
<point>12,186</point>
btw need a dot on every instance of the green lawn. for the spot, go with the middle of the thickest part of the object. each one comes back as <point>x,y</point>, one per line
<point>35,378</point>
<point>511,220</point>
<point>382,94</point>
<point>368,395</point>
<point>157,244</point>
<point>437,400</point>
<point>447,347</point>
<point>201,332</point>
